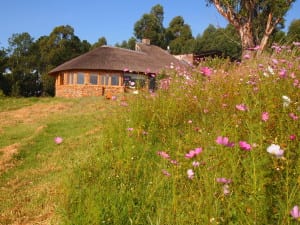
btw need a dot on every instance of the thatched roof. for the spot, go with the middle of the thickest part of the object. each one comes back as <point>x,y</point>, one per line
<point>147,58</point>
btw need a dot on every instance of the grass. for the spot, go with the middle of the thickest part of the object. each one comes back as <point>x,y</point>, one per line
<point>33,179</point>
<point>124,161</point>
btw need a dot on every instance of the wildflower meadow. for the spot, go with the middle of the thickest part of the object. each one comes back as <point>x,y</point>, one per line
<point>218,144</point>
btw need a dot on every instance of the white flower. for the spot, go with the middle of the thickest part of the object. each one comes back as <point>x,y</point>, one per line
<point>190,173</point>
<point>275,150</point>
<point>270,69</point>
<point>286,101</point>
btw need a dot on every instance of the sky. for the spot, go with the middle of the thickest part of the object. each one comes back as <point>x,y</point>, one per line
<point>112,19</point>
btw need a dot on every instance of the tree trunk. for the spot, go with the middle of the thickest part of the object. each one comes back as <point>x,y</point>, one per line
<point>247,38</point>
<point>270,26</point>
<point>263,43</point>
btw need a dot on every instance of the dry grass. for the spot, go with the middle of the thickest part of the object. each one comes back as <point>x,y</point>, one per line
<point>29,194</point>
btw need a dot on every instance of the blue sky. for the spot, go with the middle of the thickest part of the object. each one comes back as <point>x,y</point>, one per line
<point>113,19</point>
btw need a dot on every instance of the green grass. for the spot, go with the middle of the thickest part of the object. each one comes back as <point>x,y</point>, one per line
<point>108,170</point>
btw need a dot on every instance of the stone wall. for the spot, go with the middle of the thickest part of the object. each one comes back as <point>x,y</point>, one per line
<point>73,91</point>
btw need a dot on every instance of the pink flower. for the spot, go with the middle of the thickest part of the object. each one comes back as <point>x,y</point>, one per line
<point>130,129</point>
<point>166,173</point>
<point>245,146</point>
<point>224,141</point>
<point>190,173</point>
<point>246,56</point>
<point>275,61</point>
<point>264,116</point>
<point>293,116</point>
<point>206,71</point>
<point>282,73</point>
<point>163,154</point>
<point>196,164</point>
<point>241,107</point>
<point>223,180</point>
<point>296,43</point>
<point>193,153</point>
<point>295,212</point>
<point>58,140</point>
<point>190,121</point>
<point>226,190</point>
<point>292,137</point>
<point>257,47</point>
<point>174,162</point>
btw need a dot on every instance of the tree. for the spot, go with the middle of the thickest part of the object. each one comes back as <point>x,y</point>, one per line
<point>244,15</point>
<point>101,41</point>
<point>179,36</point>
<point>5,85</point>
<point>225,40</point>
<point>60,46</point>
<point>23,65</point>
<point>293,33</point>
<point>130,44</point>
<point>151,26</point>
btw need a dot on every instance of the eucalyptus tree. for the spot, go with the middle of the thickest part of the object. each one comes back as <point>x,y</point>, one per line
<point>179,36</point>
<point>151,26</point>
<point>246,16</point>
<point>130,44</point>
<point>101,41</point>
<point>22,64</point>
<point>4,81</point>
<point>60,46</point>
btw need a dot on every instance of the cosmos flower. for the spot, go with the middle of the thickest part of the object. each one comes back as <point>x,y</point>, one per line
<point>241,107</point>
<point>224,141</point>
<point>264,116</point>
<point>163,154</point>
<point>196,164</point>
<point>226,190</point>
<point>292,137</point>
<point>223,180</point>
<point>275,150</point>
<point>190,173</point>
<point>58,140</point>
<point>206,71</point>
<point>295,212</point>
<point>245,146</point>
<point>286,101</point>
<point>166,173</point>
<point>193,153</point>
<point>246,56</point>
<point>293,116</point>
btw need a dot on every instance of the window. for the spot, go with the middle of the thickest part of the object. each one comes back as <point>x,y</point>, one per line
<point>115,80</point>
<point>104,79</point>
<point>70,78</point>
<point>61,79</point>
<point>94,79</point>
<point>134,80</point>
<point>80,78</point>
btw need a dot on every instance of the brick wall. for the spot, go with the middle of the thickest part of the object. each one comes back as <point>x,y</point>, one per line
<point>73,91</point>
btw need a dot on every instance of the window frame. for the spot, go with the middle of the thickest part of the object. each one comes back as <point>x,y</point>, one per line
<point>95,75</point>
<point>80,77</point>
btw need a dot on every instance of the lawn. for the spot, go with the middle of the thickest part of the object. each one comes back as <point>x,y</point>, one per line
<point>33,167</point>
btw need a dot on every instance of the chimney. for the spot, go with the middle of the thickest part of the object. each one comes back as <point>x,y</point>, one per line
<point>146,41</point>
